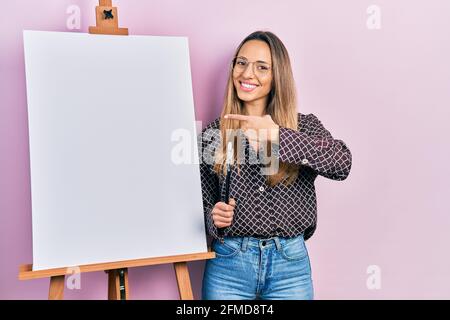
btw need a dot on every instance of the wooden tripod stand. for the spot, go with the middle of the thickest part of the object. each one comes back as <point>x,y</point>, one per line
<point>118,288</point>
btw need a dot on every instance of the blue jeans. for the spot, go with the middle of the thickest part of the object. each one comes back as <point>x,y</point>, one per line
<point>247,268</point>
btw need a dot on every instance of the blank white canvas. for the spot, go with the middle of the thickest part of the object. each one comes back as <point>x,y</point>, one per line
<point>101,112</point>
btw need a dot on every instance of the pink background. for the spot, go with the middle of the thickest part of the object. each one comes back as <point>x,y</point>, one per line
<point>385,92</point>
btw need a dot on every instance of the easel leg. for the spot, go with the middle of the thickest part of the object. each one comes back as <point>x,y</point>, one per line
<point>118,284</point>
<point>183,280</point>
<point>56,290</point>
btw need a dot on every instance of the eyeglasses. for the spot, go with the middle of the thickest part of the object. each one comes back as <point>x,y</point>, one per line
<point>261,69</point>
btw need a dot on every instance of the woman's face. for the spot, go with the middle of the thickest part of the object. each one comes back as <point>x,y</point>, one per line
<point>252,72</point>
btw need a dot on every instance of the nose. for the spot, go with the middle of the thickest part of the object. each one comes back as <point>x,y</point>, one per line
<point>248,72</point>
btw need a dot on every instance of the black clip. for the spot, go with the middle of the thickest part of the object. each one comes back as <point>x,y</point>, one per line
<point>108,14</point>
<point>122,288</point>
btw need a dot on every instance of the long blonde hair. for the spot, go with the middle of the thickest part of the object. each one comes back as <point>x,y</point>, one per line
<point>281,106</point>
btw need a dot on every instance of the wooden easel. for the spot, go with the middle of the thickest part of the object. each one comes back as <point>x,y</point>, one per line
<point>115,271</point>
<point>107,22</point>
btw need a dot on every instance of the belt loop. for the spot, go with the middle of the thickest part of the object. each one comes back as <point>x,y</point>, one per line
<point>244,244</point>
<point>277,243</point>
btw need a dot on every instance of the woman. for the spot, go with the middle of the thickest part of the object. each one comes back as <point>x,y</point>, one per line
<point>259,235</point>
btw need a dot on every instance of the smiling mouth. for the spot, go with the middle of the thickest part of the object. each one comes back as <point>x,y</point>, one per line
<point>247,87</point>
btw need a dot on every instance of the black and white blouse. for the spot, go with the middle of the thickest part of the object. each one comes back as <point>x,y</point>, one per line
<point>263,211</point>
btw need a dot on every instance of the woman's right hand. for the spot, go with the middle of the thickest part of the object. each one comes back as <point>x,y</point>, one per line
<point>222,213</point>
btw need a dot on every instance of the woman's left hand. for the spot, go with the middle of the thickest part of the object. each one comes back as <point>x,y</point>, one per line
<point>257,129</point>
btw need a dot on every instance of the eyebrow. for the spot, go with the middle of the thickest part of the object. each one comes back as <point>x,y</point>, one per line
<point>255,61</point>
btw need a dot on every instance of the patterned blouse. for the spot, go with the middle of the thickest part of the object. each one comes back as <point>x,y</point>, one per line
<point>261,210</point>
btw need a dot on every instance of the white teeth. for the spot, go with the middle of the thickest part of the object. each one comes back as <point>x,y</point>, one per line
<point>248,86</point>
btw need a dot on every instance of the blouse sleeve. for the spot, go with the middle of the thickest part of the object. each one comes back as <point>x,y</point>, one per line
<point>315,148</point>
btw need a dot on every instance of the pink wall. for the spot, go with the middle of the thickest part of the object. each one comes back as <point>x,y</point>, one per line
<point>385,92</point>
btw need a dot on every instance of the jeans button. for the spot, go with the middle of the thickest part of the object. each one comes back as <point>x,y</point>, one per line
<point>263,243</point>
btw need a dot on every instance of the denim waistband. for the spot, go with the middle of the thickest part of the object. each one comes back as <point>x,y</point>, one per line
<point>267,243</point>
